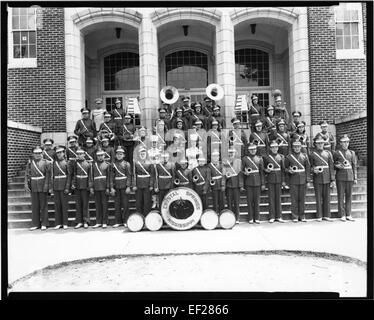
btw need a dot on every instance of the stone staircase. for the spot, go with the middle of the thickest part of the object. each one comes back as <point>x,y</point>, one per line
<point>19,203</point>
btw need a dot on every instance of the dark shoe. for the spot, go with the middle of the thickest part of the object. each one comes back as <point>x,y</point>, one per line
<point>327,219</point>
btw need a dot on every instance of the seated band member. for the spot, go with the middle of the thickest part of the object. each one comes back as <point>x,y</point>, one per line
<point>322,167</point>
<point>201,180</point>
<point>37,182</point>
<point>164,177</point>
<point>252,168</point>
<point>274,169</point>
<point>298,167</point>
<point>120,183</point>
<point>82,184</point>
<point>216,182</point>
<point>233,181</point>
<point>100,188</point>
<point>108,150</point>
<point>85,127</point>
<point>346,176</point>
<point>61,180</point>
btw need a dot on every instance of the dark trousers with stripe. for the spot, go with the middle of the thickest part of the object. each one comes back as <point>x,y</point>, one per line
<point>218,200</point>
<point>344,191</point>
<point>275,203</point>
<point>233,199</point>
<point>253,202</point>
<point>39,209</point>
<point>82,214</point>
<point>61,208</point>
<point>161,196</point>
<point>297,192</point>
<point>322,192</point>
<point>101,203</point>
<point>143,201</point>
<point>121,206</point>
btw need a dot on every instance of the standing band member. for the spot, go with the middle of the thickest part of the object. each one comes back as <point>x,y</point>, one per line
<point>330,142</point>
<point>297,165</point>
<point>110,126</point>
<point>259,138</point>
<point>71,155</point>
<point>126,135</point>
<point>216,183</point>
<point>274,168</point>
<point>100,188</point>
<point>49,153</point>
<point>322,166</point>
<point>295,121</point>
<point>346,175</point>
<point>37,181</point>
<point>164,171</point>
<point>61,180</point>
<point>117,113</point>
<point>90,150</point>
<point>255,111</point>
<point>252,167</point>
<point>120,183</point>
<point>82,184</point>
<point>201,180</point>
<point>183,175</point>
<point>85,127</point>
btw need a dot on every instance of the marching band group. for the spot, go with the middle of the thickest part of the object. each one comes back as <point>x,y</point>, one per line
<point>191,146</point>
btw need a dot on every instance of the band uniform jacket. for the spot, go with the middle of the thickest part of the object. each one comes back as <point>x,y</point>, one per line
<point>61,177</point>
<point>71,153</point>
<point>49,155</point>
<point>90,153</point>
<point>293,126</point>
<point>350,173</point>
<point>203,182</point>
<point>84,128</point>
<point>284,141</point>
<point>82,179</point>
<point>166,121</point>
<point>256,177</point>
<point>327,165</point>
<point>35,180</point>
<point>126,133</point>
<point>263,141</point>
<point>109,153</point>
<point>234,169</point>
<point>255,112</point>
<point>143,176</point>
<point>117,116</point>
<point>269,124</point>
<point>214,140</point>
<point>330,143</point>
<point>184,176</point>
<point>221,122</point>
<point>302,176</point>
<point>304,139</point>
<point>238,138</point>
<point>277,174</point>
<point>281,113</point>
<point>111,127</point>
<point>198,116</point>
<point>100,175</point>
<point>164,176</point>
<point>216,175</point>
<point>120,175</point>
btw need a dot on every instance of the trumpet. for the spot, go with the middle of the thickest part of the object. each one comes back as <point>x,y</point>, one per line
<point>169,94</point>
<point>346,163</point>
<point>214,91</point>
<point>212,182</point>
<point>195,178</point>
<point>270,166</point>
<point>177,182</point>
<point>247,170</point>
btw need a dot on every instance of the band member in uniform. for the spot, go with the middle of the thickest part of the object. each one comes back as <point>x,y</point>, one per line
<point>90,150</point>
<point>164,177</point>
<point>98,113</point>
<point>346,175</point>
<point>238,139</point>
<point>126,137</point>
<point>120,183</point>
<point>198,115</point>
<point>260,138</point>
<point>201,180</point>
<point>85,127</point>
<point>255,111</point>
<point>217,116</point>
<point>82,183</point>
<point>269,121</point>
<point>214,141</point>
<point>322,167</point>
<point>140,139</point>
<point>178,115</point>
<point>216,185</point>
<point>143,182</point>
<point>282,138</point>
<point>118,113</point>
<point>233,182</point>
<point>71,154</point>
<point>49,153</point>
<point>207,108</point>
<point>183,175</point>
<point>61,180</point>
<point>110,126</point>
<point>162,116</point>
<point>302,136</point>
<point>297,165</point>
<point>100,188</point>
<point>330,143</point>
<point>274,168</point>
<point>295,121</point>
<point>37,182</point>
<point>252,168</point>
<point>280,110</point>
<point>108,150</point>
<point>193,152</point>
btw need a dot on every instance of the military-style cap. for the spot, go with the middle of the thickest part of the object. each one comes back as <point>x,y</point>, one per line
<point>258,123</point>
<point>185,99</point>
<point>251,145</point>
<point>178,110</point>
<point>253,96</point>
<point>323,123</point>
<point>198,104</point>
<point>142,149</point>
<point>105,139</point>
<point>120,149</point>
<point>165,104</point>
<point>201,158</point>
<point>60,149</point>
<point>89,140</point>
<point>72,138</point>
<point>207,99</point>
<point>273,144</point>
<point>154,138</point>
<point>165,154</point>
<point>277,98</point>
<point>160,122</point>
<point>216,107</point>
<point>296,113</point>
<point>318,139</point>
<point>301,124</point>
<point>37,150</point>
<point>214,123</point>
<point>85,110</point>
<point>100,152</point>
<point>107,114</point>
<point>98,100</point>
<point>103,131</point>
<point>179,120</point>
<point>118,101</point>
<point>198,122</point>
<point>270,108</point>
<point>161,110</point>
<point>183,161</point>
<point>79,150</point>
<point>281,122</point>
<point>296,143</point>
<point>235,120</point>
<point>48,141</point>
<point>127,116</point>
<point>344,138</point>
<point>215,153</point>
<point>142,129</point>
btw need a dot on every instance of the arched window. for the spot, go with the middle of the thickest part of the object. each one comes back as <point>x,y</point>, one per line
<point>187,69</point>
<point>252,68</point>
<point>121,71</point>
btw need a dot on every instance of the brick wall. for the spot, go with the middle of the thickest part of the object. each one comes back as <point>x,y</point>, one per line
<point>358,135</point>
<point>36,96</point>
<point>337,87</point>
<point>17,157</point>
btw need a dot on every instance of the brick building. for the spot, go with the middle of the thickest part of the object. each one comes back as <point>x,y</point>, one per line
<point>61,59</point>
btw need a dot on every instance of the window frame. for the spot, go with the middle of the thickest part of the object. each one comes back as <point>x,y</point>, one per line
<point>20,62</point>
<point>351,53</point>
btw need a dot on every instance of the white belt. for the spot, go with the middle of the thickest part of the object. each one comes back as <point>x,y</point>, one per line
<point>216,177</point>
<point>299,170</point>
<point>200,183</point>
<point>59,177</point>
<point>254,171</point>
<point>216,142</point>
<point>324,167</point>
<point>165,177</point>
<point>143,175</point>
<point>348,167</point>
<point>118,118</point>
<point>37,178</point>
<point>100,177</point>
<point>120,178</point>
<point>233,175</point>
<point>276,169</point>
<point>79,176</point>
<point>72,158</point>
<point>184,183</point>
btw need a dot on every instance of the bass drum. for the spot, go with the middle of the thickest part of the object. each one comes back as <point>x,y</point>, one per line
<point>135,222</point>
<point>153,220</point>
<point>209,219</point>
<point>227,219</point>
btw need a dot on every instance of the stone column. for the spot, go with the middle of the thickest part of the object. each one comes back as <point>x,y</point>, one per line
<point>148,65</point>
<point>225,64</point>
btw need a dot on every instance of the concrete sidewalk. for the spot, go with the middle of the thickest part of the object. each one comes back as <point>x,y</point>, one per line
<point>29,251</point>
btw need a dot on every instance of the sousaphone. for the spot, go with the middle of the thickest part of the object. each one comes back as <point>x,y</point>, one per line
<point>214,91</point>
<point>169,94</point>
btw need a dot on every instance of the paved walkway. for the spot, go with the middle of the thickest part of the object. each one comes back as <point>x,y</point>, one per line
<point>29,251</point>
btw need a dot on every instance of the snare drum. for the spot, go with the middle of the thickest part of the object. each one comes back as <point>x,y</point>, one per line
<point>153,220</point>
<point>135,222</point>
<point>227,219</point>
<point>209,219</point>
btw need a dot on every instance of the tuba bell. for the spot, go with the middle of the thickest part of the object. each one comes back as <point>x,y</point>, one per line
<point>319,169</point>
<point>169,94</point>
<point>346,163</point>
<point>195,178</point>
<point>270,166</point>
<point>294,168</point>
<point>212,182</point>
<point>247,170</point>
<point>177,182</point>
<point>214,91</point>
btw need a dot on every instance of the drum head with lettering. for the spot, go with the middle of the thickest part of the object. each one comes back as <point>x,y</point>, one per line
<point>153,221</point>
<point>135,222</point>
<point>209,220</point>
